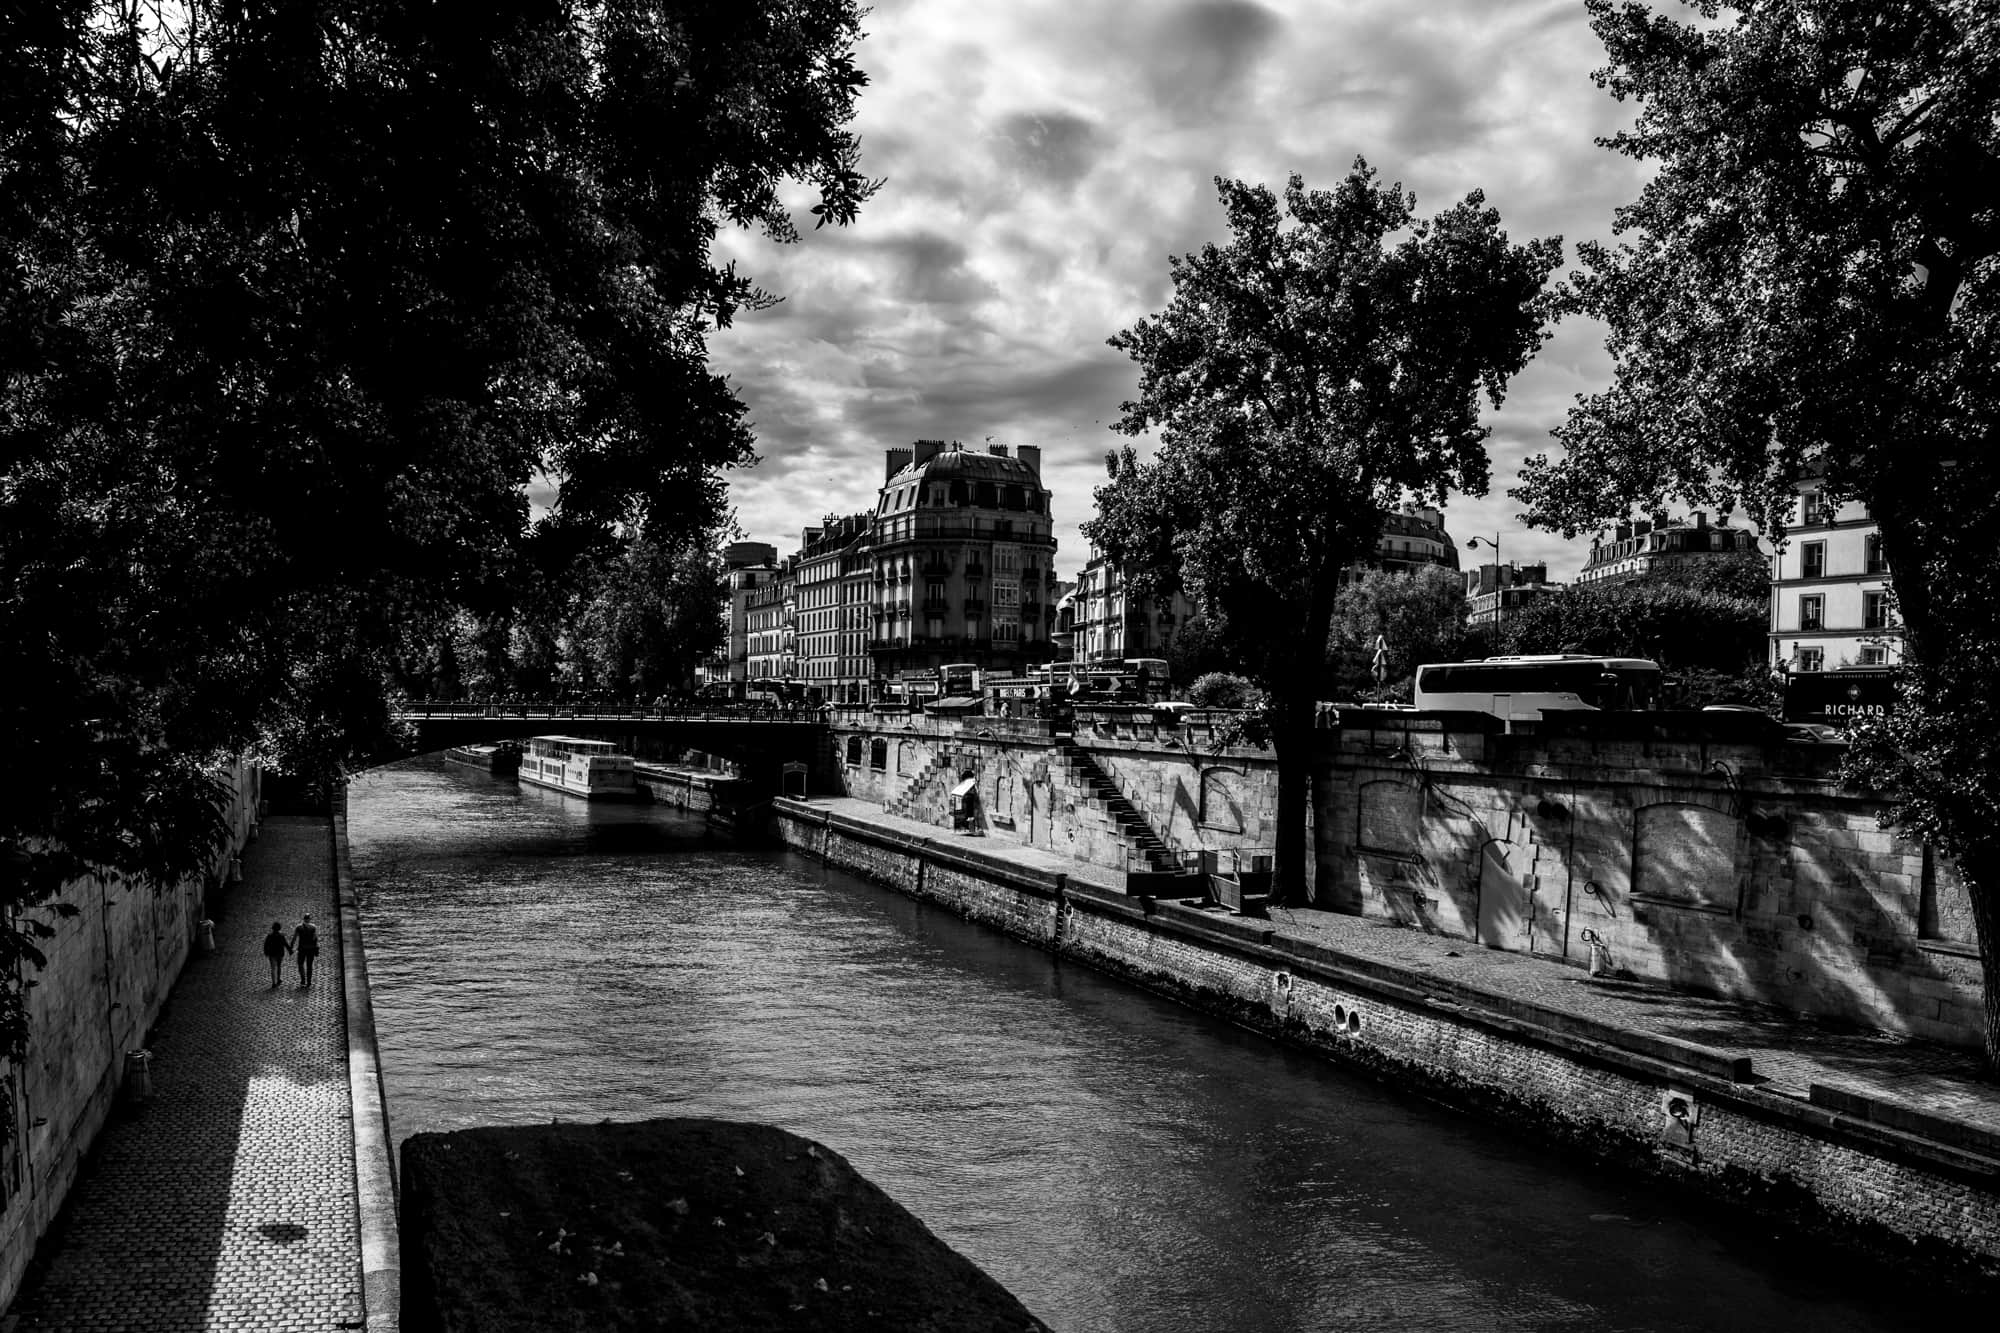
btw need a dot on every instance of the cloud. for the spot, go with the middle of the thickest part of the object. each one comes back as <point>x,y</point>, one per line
<point>1045,157</point>
<point>1054,149</point>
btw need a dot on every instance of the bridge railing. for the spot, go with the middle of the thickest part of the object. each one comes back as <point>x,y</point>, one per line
<point>553,710</point>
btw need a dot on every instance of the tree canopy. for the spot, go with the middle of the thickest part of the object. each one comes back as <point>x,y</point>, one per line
<point>1419,617</point>
<point>1809,286</point>
<point>1325,364</point>
<point>1676,625</point>
<point>299,300</point>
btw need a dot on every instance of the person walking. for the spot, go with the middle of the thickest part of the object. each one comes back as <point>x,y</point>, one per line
<point>276,946</point>
<point>305,944</point>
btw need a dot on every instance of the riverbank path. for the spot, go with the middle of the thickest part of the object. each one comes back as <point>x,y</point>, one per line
<point>1790,1052</point>
<point>227,1202</point>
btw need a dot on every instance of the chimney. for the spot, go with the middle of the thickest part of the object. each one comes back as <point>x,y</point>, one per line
<point>1700,518</point>
<point>997,450</point>
<point>1623,532</point>
<point>898,460</point>
<point>1031,454</point>
<point>1640,527</point>
<point>929,449</point>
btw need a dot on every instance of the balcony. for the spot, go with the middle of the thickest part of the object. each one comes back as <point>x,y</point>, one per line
<point>975,607</point>
<point>937,606</point>
<point>975,570</point>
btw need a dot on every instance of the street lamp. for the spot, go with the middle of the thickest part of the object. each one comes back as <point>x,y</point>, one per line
<point>1499,589</point>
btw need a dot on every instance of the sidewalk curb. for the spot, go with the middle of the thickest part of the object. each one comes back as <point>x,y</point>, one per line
<point>374,1150</point>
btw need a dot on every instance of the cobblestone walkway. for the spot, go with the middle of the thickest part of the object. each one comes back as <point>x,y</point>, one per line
<point>228,1202</point>
<point>1789,1052</point>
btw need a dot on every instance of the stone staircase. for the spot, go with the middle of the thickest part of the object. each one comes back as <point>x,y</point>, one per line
<point>906,803</point>
<point>1148,848</point>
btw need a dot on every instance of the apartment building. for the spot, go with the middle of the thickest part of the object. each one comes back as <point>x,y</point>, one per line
<point>1107,623</point>
<point>962,560</point>
<point>823,639</point>
<point>1646,549</point>
<point>1831,599</point>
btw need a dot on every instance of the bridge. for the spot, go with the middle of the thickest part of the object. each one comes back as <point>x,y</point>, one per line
<point>743,733</point>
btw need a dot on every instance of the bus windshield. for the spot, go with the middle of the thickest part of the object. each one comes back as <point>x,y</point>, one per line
<point>1530,686</point>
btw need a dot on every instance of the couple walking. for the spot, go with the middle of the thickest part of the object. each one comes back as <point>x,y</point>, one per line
<point>303,945</point>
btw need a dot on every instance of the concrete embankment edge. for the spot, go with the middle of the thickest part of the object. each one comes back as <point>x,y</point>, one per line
<point>374,1151</point>
<point>1919,1199</point>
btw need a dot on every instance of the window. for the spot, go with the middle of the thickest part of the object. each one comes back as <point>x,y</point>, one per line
<point>1813,509</point>
<point>1874,655</point>
<point>1809,659</point>
<point>1874,610</point>
<point>1873,561</point>
<point>1812,560</point>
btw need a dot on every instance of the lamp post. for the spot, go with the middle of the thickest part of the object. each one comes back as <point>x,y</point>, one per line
<point>1499,589</point>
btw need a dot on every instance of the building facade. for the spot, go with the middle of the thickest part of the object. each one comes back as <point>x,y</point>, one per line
<point>962,560</point>
<point>1413,538</point>
<point>1832,603</point>
<point>1643,550</point>
<point>1108,624</point>
<point>1493,592</point>
<point>765,630</point>
<point>750,565</point>
<point>820,611</point>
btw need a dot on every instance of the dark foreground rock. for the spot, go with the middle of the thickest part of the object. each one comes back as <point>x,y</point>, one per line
<point>670,1224</point>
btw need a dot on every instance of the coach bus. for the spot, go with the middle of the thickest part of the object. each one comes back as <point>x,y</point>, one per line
<point>1525,687</point>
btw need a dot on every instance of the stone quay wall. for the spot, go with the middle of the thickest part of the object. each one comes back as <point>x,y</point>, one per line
<point>1195,792</point>
<point>1669,1110</point>
<point>1706,853</point>
<point>111,966</point>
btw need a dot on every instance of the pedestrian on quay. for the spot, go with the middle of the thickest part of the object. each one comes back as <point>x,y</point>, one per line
<point>305,943</point>
<point>276,946</point>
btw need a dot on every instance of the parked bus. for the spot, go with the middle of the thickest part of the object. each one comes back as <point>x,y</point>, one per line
<point>1527,687</point>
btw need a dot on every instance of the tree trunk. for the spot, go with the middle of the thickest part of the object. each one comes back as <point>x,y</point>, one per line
<point>1292,741</point>
<point>1979,868</point>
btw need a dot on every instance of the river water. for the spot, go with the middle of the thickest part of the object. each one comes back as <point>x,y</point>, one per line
<point>1117,1161</point>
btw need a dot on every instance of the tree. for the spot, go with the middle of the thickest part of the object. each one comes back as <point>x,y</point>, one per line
<point>1675,625</point>
<point>1810,287</point>
<point>658,610</point>
<point>1219,689</point>
<point>1419,617</point>
<point>297,300</point>
<point>1303,378</point>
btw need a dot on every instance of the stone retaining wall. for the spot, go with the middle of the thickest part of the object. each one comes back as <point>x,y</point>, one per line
<point>1710,854</point>
<point>1707,852</point>
<point>110,968</point>
<point>1668,1109</point>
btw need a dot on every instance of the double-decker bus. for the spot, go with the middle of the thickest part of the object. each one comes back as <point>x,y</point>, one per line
<point>1527,686</point>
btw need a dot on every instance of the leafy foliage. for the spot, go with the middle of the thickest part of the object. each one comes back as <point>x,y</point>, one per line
<point>298,301</point>
<point>1220,689</point>
<point>1323,366</point>
<point>1673,624</point>
<point>1810,286</point>
<point>658,610</point>
<point>1419,616</point>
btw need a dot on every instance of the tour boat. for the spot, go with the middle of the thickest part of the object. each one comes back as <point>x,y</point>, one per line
<point>594,770</point>
<point>499,760</point>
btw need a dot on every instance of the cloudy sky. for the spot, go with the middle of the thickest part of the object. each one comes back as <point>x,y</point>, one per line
<point>1044,157</point>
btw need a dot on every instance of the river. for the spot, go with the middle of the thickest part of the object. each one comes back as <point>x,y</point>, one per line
<point>1117,1161</point>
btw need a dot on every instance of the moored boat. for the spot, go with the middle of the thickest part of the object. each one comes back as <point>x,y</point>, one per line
<point>500,760</point>
<point>595,770</point>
